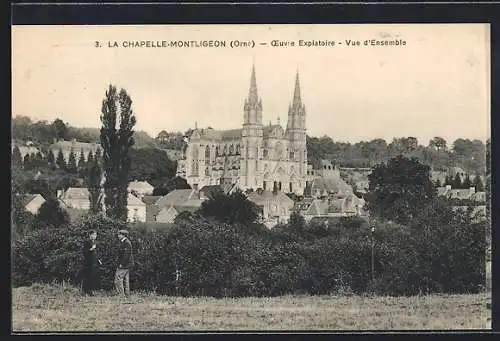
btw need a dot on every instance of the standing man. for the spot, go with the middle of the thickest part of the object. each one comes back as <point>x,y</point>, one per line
<point>125,263</point>
<point>90,266</point>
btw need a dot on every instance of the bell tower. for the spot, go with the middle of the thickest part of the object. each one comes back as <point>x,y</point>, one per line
<point>252,136</point>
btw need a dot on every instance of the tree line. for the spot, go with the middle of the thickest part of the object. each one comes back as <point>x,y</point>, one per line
<point>471,155</point>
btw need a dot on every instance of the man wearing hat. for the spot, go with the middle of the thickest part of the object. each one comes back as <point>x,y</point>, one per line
<point>125,263</point>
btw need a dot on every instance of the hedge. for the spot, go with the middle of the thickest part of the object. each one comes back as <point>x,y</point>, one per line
<point>440,251</point>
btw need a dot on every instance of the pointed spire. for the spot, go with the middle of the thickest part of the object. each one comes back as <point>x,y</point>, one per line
<point>253,96</point>
<point>297,102</point>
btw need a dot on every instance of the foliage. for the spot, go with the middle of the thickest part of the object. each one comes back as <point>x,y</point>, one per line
<point>440,251</point>
<point>16,157</point>
<point>71,166</point>
<point>399,189</point>
<point>232,208</point>
<point>60,161</point>
<point>94,187</point>
<point>21,219</point>
<point>151,164</point>
<point>171,184</point>
<point>51,214</point>
<point>116,144</point>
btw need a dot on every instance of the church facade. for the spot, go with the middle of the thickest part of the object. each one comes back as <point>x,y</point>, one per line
<point>256,156</point>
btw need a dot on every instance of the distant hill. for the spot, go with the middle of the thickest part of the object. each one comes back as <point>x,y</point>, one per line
<point>142,139</point>
<point>43,133</point>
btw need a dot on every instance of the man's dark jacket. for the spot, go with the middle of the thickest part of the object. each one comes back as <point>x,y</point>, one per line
<point>125,257</point>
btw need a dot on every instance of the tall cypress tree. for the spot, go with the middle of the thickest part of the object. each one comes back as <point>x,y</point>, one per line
<point>17,159</point>
<point>71,167</point>
<point>457,183</point>
<point>478,184</point>
<point>116,145</point>
<point>90,158</point>
<point>467,183</point>
<point>51,159</point>
<point>81,160</point>
<point>60,162</point>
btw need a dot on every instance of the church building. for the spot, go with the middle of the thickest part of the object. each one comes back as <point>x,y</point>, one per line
<point>256,156</point>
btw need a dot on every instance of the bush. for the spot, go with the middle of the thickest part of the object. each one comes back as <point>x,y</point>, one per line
<point>441,251</point>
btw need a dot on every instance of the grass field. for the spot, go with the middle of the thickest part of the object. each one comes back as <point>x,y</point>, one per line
<point>63,308</point>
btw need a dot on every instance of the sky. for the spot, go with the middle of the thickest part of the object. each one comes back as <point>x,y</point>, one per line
<point>437,84</point>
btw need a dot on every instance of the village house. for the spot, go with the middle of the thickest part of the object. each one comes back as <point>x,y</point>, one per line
<point>151,208</point>
<point>140,188</point>
<point>461,194</point>
<point>175,202</point>
<point>78,199</point>
<point>341,205</point>
<point>275,206</point>
<point>473,201</point>
<point>33,202</point>
<point>25,149</point>
<point>326,181</point>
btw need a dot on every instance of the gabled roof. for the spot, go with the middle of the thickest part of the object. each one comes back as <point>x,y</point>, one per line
<point>177,197</point>
<point>76,193</point>
<point>138,185</point>
<point>132,200</point>
<point>264,197</point>
<point>330,185</point>
<point>318,207</point>
<point>217,135</point>
<point>27,198</point>
<point>150,199</point>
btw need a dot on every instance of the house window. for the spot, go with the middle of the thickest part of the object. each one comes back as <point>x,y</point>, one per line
<point>136,215</point>
<point>195,187</point>
<point>292,155</point>
<point>279,186</point>
<point>265,153</point>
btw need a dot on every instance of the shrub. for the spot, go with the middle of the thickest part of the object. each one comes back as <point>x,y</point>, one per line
<point>441,251</point>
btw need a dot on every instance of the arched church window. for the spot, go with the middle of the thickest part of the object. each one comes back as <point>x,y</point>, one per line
<point>231,150</point>
<point>266,153</point>
<point>292,155</point>
<point>195,153</point>
<point>207,171</point>
<point>207,153</point>
<point>217,152</point>
<point>225,150</point>
<point>237,149</point>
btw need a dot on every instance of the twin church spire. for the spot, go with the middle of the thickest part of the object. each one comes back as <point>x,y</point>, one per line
<point>253,105</point>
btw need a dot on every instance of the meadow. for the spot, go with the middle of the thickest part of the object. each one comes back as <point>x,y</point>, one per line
<point>60,307</point>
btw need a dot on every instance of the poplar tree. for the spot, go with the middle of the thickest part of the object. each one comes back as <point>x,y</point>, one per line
<point>118,121</point>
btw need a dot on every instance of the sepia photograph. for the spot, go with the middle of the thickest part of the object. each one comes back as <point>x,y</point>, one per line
<point>250,177</point>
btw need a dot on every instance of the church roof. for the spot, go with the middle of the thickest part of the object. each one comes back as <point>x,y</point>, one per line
<point>216,135</point>
<point>274,130</point>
